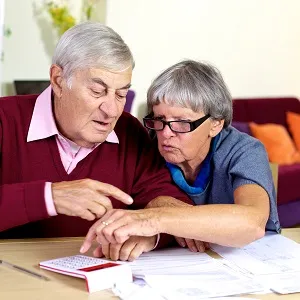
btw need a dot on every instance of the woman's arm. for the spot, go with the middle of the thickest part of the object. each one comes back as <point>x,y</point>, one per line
<point>232,225</point>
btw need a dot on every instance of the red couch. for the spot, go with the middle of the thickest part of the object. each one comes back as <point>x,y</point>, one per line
<point>273,110</point>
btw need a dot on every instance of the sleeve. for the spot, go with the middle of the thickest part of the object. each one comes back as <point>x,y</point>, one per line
<point>152,178</point>
<point>250,165</point>
<point>49,200</point>
<point>20,203</point>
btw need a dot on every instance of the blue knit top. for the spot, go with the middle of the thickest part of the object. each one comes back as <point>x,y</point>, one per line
<point>234,159</point>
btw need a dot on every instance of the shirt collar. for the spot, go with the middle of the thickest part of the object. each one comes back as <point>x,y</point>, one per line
<point>42,124</point>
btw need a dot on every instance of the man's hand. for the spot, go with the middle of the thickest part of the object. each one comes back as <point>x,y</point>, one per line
<point>130,250</point>
<point>118,225</point>
<point>193,245</point>
<point>86,198</point>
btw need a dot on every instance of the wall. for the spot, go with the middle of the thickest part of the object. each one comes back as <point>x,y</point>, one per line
<point>255,43</point>
<point>29,49</point>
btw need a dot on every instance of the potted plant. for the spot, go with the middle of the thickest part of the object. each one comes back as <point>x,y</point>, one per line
<point>61,17</point>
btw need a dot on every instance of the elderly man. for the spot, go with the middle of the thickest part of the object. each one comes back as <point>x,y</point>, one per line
<point>71,154</point>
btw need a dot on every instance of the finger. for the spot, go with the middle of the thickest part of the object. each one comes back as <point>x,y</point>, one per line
<point>90,237</point>
<point>121,225</point>
<point>98,252</point>
<point>101,239</point>
<point>105,251</point>
<point>180,241</point>
<point>92,233</point>
<point>110,190</point>
<point>114,222</point>
<point>83,213</point>
<point>96,231</point>
<point>105,233</point>
<point>102,200</point>
<point>200,246</point>
<point>206,245</point>
<point>191,245</point>
<point>125,232</point>
<point>136,252</point>
<point>97,209</point>
<point>114,250</point>
<point>126,249</point>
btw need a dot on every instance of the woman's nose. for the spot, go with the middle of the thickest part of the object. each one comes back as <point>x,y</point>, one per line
<point>167,132</point>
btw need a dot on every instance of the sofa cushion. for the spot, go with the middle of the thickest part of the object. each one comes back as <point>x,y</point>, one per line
<point>289,213</point>
<point>241,126</point>
<point>293,121</point>
<point>278,143</point>
<point>264,110</point>
<point>288,183</point>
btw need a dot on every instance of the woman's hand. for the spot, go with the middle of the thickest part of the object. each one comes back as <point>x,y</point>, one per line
<point>193,245</point>
<point>130,250</point>
<point>118,225</point>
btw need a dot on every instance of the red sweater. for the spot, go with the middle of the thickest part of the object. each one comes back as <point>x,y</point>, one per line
<point>133,165</point>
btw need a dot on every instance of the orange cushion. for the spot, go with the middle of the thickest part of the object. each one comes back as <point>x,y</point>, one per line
<point>278,143</point>
<point>293,121</point>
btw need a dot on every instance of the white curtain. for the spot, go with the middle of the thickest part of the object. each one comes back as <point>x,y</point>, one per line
<point>1,39</point>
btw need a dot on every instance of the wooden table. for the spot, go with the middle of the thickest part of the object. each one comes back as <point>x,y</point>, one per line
<point>28,253</point>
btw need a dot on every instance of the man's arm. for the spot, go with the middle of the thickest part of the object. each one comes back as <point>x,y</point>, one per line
<point>22,203</point>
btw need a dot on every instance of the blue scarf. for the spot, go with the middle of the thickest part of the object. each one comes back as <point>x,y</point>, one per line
<point>203,176</point>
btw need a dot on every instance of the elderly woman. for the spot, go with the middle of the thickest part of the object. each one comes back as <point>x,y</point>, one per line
<point>225,172</point>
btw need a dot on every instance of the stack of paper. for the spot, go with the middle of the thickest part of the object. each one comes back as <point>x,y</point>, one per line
<point>271,263</point>
<point>182,274</point>
<point>274,260</point>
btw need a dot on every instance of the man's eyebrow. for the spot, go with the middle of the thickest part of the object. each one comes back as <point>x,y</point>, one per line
<point>100,81</point>
<point>127,86</point>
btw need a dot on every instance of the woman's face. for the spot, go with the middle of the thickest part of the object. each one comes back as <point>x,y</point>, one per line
<point>178,148</point>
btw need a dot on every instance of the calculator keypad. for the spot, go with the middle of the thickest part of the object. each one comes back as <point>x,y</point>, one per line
<point>76,262</point>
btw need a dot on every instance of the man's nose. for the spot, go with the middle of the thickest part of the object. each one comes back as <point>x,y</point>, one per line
<point>109,105</point>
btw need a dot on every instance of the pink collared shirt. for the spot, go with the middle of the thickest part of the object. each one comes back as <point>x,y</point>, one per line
<point>42,126</point>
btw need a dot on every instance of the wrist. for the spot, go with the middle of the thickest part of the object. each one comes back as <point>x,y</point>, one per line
<point>160,219</point>
<point>167,217</point>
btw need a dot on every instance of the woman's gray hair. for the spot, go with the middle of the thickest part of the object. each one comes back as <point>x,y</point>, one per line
<point>194,85</point>
<point>91,45</point>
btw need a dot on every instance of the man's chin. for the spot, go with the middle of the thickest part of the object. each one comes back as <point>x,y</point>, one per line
<point>97,138</point>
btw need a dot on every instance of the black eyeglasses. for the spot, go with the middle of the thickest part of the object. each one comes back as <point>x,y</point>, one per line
<point>180,126</point>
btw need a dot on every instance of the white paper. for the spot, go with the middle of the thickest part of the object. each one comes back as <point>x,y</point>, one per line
<point>273,254</point>
<point>169,261</point>
<point>214,283</point>
<point>285,283</point>
<point>215,280</point>
<point>135,291</point>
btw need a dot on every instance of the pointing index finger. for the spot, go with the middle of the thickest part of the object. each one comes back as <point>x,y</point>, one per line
<point>110,190</point>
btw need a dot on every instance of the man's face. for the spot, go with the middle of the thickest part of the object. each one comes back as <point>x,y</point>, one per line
<point>88,112</point>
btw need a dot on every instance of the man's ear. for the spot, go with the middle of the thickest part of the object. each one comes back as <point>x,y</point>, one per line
<point>56,80</point>
<point>216,127</point>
